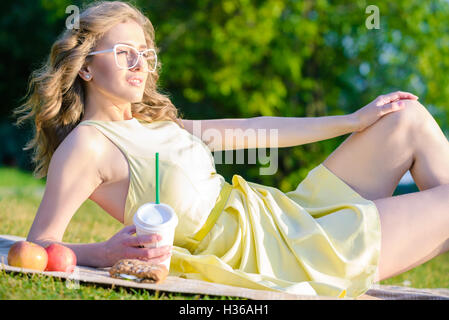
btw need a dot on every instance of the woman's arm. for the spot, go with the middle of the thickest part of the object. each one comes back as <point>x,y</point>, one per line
<point>291,131</point>
<point>72,176</point>
<point>298,131</point>
<point>280,132</point>
<point>233,134</point>
<point>87,254</point>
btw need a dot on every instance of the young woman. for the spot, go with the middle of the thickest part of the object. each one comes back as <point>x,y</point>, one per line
<point>99,120</point>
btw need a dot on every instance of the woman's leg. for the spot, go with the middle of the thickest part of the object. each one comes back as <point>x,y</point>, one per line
<point>415,226</point>
<point>373,161</point>
<point>431,165</point>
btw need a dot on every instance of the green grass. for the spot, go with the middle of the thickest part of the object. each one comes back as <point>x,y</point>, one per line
<point>22,286</point>
<point>20,196</point>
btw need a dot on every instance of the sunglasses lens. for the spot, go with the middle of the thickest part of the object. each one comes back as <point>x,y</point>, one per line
<point>128,57</point>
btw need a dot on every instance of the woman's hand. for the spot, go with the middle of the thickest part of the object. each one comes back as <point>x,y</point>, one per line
<point>123,245</point>
<point>382,105</point>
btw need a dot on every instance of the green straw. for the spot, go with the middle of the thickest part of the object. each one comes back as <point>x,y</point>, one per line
<point>157,177</point>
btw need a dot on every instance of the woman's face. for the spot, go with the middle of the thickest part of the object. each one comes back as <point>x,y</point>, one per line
<point>118,85</point>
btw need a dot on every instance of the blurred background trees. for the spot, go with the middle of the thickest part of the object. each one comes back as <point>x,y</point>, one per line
<point>242,58</point>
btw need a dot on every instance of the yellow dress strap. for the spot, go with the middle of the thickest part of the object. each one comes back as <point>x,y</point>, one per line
<point>211,219</point>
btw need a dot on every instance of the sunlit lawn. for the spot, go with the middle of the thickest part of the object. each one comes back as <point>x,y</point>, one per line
<point>20,195</point>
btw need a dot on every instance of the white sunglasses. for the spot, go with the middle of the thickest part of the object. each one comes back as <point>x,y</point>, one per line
<point>127,57</point>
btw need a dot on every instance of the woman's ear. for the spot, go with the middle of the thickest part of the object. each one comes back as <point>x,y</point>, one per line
<point>85,74</point>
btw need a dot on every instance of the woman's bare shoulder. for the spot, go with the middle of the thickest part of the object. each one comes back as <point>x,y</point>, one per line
<point>81,144</point>
<point>84,139</point>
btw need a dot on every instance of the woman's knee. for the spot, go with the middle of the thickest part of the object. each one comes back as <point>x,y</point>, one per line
<point>413,115</point>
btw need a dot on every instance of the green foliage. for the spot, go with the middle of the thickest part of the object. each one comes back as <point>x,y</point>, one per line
<point>242,58</point>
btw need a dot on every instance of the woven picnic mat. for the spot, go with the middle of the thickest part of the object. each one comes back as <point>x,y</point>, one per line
<point>188,286</point>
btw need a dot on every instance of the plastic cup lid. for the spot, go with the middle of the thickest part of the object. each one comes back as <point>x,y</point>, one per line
<point>155,216</point>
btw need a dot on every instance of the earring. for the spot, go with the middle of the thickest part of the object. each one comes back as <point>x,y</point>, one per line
<point>87,76</point>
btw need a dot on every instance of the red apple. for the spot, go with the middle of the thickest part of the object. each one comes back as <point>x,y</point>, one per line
<point>29,255</point>
<point>60,258</point>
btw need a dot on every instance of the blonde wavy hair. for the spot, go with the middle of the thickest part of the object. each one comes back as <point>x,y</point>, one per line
<point>55,96</point>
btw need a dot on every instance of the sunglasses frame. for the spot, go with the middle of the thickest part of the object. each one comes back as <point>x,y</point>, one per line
<point>139,55</point>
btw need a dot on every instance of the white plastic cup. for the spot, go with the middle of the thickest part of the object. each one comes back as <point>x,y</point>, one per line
<point>161,219</point>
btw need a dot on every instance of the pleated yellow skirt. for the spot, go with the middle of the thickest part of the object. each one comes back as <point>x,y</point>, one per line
<point>322,238</point>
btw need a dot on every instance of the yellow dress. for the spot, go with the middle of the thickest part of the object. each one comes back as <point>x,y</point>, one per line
<point>322,238</point>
